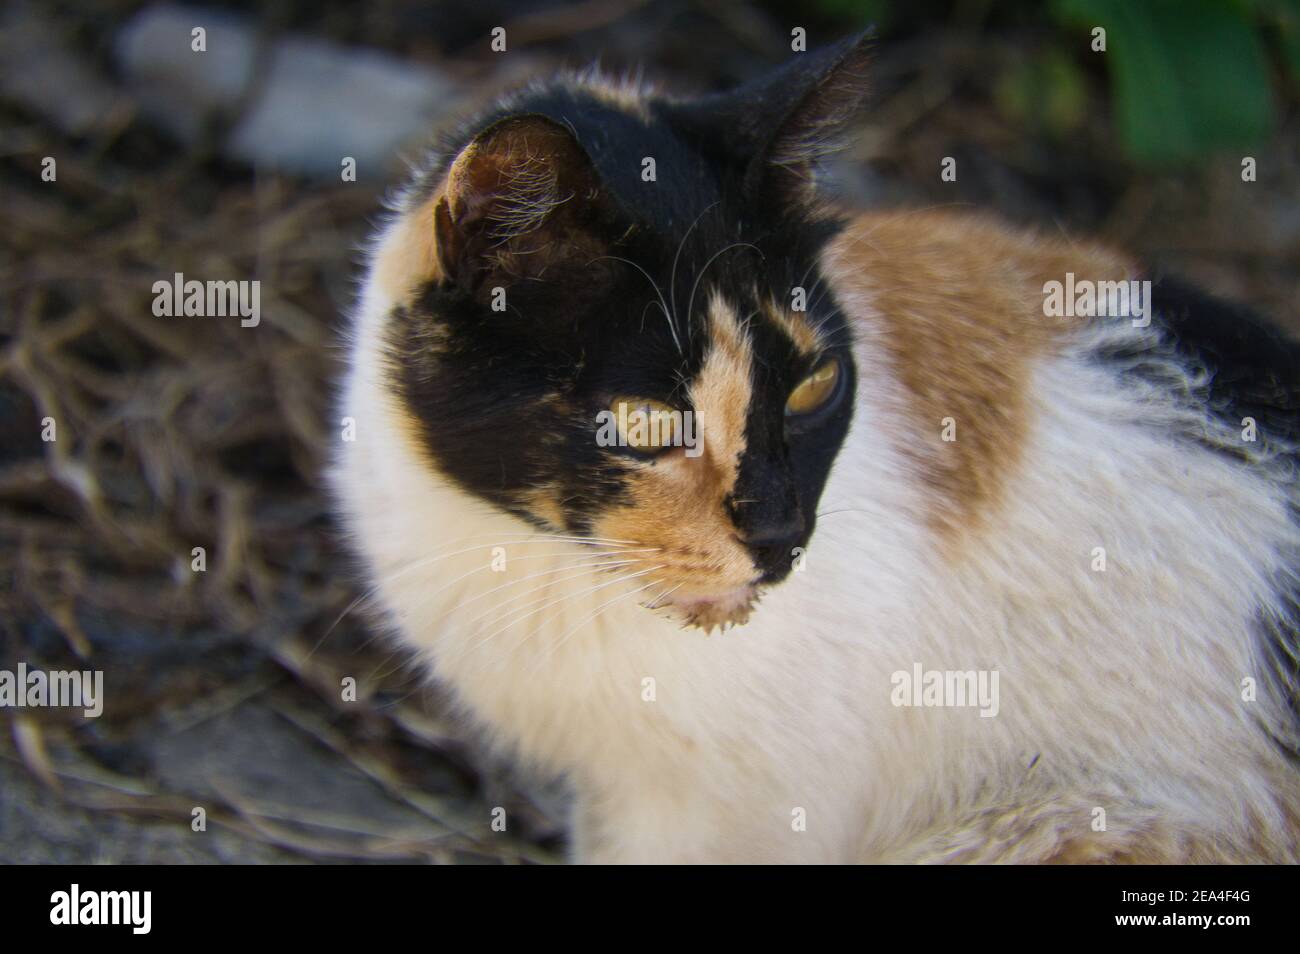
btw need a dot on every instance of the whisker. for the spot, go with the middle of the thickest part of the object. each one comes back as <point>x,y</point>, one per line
<point>561,569</point>
<point>528,611</point>
<point>690,304</point>
<point>568,596</point>
<point>663,305</point>
<point>672,279</point>
<point>446,586</point>
<point>525,606</point>
<point>827,513</point>
<point>435,557</point>
<point>804,278</point>
<point>564,637</point>
<point>659,600</point>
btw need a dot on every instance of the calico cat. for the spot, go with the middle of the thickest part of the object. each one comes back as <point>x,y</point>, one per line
<point>947,578</point>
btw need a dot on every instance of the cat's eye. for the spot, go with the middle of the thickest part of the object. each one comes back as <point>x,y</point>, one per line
<point>814,391</point>
<point>645,425</point>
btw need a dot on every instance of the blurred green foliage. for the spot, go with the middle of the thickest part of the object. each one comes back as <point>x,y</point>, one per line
<point>1188,78</point>
<point>1046,93</point>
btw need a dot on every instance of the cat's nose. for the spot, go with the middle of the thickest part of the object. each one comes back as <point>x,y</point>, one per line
<point>772,544</point>
<point>771,533</point>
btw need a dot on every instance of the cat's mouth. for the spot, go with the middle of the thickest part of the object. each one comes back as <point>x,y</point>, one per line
<point>711,611</point>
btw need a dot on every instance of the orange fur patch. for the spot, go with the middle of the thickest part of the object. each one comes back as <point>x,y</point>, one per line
<point>544,502</point>
<point>798,327</point>
<point>956,302</point>
<point>723,391</point>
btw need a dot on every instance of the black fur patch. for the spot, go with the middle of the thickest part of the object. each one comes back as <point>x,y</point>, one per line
<point>1254,367</point>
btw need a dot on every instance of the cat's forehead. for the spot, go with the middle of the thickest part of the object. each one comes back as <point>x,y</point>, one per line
<point>707,244</point>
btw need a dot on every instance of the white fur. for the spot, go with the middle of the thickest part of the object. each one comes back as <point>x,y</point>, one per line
<point>1122,688</point>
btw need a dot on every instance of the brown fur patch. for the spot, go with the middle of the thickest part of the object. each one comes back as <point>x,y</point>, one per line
<point>957,304</point>
<point>544,503</point>
<point>506,211</point>
<point>511,178</point>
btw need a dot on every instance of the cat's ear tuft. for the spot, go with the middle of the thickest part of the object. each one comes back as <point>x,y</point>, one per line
<point>521,201</point>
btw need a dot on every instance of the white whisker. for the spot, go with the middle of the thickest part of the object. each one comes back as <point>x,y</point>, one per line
<point>663,304</point>
<point>659,600</point>
<point>690,305</point>
<point>547,585</point>
<point>425,561</point>
<point>564,637</point>
<point>568,596</point>
<point>672,280</point>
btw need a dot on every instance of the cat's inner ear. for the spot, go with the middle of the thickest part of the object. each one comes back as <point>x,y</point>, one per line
<point>521,201</point>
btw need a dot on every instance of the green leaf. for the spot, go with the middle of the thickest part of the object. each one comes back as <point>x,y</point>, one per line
<point>1189,77</point>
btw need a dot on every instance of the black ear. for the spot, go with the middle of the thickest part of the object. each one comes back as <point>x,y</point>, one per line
<point>830,98</point>
<point>780,126</point>
<point>521,201</point>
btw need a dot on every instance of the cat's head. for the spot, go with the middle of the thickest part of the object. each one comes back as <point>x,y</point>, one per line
<point>620,330</point>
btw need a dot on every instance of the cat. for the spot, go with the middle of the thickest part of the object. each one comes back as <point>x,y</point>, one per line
<point>949,578</point>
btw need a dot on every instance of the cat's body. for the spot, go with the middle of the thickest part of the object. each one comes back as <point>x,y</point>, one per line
<point>1120,683</point>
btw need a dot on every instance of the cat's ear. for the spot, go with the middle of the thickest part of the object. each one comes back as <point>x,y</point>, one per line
<point>816,97</point>
<point>779,127</point>
<point>521,201</point>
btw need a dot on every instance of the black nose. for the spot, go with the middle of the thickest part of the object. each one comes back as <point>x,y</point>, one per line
<point>772,545</point>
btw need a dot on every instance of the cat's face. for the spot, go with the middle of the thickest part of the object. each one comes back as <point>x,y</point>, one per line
<point>626,337</point>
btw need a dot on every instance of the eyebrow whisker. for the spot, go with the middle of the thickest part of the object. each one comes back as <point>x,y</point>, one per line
<point>690,304</point>
<point>663,304</point>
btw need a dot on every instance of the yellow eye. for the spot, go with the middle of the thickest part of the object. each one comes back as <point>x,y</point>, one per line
<point>815,390</point>
<point>646,425</point>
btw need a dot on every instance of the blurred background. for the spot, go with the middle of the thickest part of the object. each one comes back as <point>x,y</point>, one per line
<point>223,686</point>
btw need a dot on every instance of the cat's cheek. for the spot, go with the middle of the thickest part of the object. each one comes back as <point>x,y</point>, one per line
<point>673,508</point>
